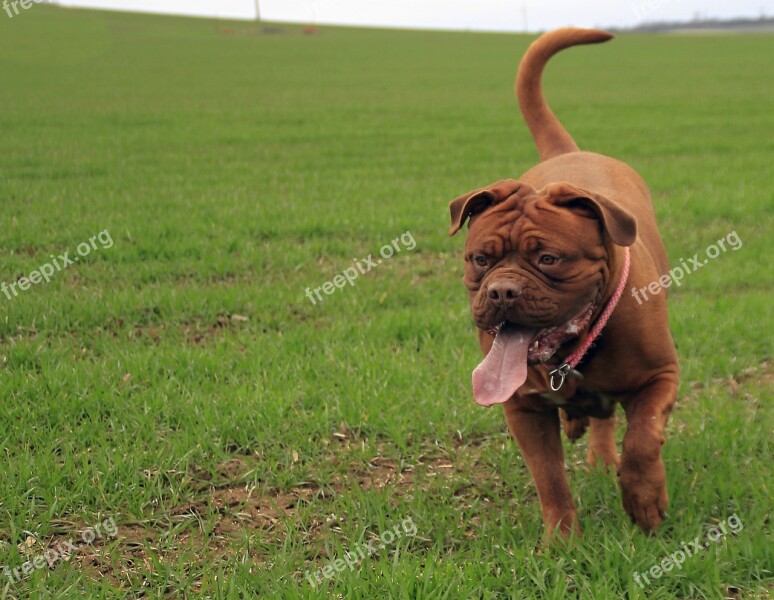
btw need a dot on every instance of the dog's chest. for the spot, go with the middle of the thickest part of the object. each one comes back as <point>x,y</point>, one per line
<point>585,403</point>
<point>573,398</point>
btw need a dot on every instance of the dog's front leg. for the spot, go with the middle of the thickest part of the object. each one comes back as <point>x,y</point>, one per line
<point>537,434</point>
<point>641,472</point>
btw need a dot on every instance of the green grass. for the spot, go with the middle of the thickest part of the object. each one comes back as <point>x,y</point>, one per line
<point>234,168</point>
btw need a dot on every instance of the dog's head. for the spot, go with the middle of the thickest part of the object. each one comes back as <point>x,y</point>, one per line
<point>537,260</point>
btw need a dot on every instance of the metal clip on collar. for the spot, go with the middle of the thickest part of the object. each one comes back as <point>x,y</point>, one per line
<point>560,373</point>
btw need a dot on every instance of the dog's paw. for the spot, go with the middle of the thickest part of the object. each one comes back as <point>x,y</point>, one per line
<point>561,527</point>
<point>644,492</point>
<point>602,458</point>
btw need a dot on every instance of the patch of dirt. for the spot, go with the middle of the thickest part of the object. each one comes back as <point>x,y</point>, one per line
<point>240,503</point>
<point>220,278</point>
<point>761,376</point>
<point>88,546</point>
<point>22,334</point>
<point>196,331</point>
<point>230,511</point>
<point>201,333</point>
<point>28,250</point>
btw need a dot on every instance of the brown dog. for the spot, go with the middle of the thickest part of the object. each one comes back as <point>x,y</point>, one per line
<point>546,261</point>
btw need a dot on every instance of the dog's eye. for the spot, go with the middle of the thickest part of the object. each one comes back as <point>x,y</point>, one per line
<point>548,259</point>
<point>480,260</point>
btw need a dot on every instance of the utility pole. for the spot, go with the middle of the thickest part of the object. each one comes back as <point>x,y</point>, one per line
<point>257,10</point>
<point>524,16</point>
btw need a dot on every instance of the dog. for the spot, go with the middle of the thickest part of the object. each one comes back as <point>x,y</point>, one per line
<point>547,258</point>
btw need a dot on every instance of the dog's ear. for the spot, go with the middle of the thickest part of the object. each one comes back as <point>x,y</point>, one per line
<point>619,223</point>
<point>479,200</point>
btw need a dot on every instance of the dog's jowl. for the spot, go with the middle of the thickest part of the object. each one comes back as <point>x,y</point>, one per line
<point>547,258</point>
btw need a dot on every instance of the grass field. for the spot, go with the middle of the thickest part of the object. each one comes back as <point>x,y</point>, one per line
<point>178,382</point>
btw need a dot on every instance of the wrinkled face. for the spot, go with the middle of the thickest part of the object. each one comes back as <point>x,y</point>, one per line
<point>533,263</point>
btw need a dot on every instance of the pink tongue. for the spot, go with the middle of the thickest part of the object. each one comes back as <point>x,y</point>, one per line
<point>504,369</point>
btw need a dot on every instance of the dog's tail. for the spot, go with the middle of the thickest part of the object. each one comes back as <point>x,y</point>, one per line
<point>551,138</point>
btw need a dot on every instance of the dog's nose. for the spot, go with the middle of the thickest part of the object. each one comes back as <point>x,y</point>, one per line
<point>504,293</point>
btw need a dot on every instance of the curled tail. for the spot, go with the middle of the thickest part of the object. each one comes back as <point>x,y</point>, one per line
<point>551,138</point>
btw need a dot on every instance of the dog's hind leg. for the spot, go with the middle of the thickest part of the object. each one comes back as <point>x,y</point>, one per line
<point>574,428</point>
<point>602,447</point>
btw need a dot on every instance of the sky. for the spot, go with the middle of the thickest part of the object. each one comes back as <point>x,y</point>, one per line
<point>481,15</point>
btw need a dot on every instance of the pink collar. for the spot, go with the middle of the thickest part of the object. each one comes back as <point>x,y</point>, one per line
<point>569,364</point>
